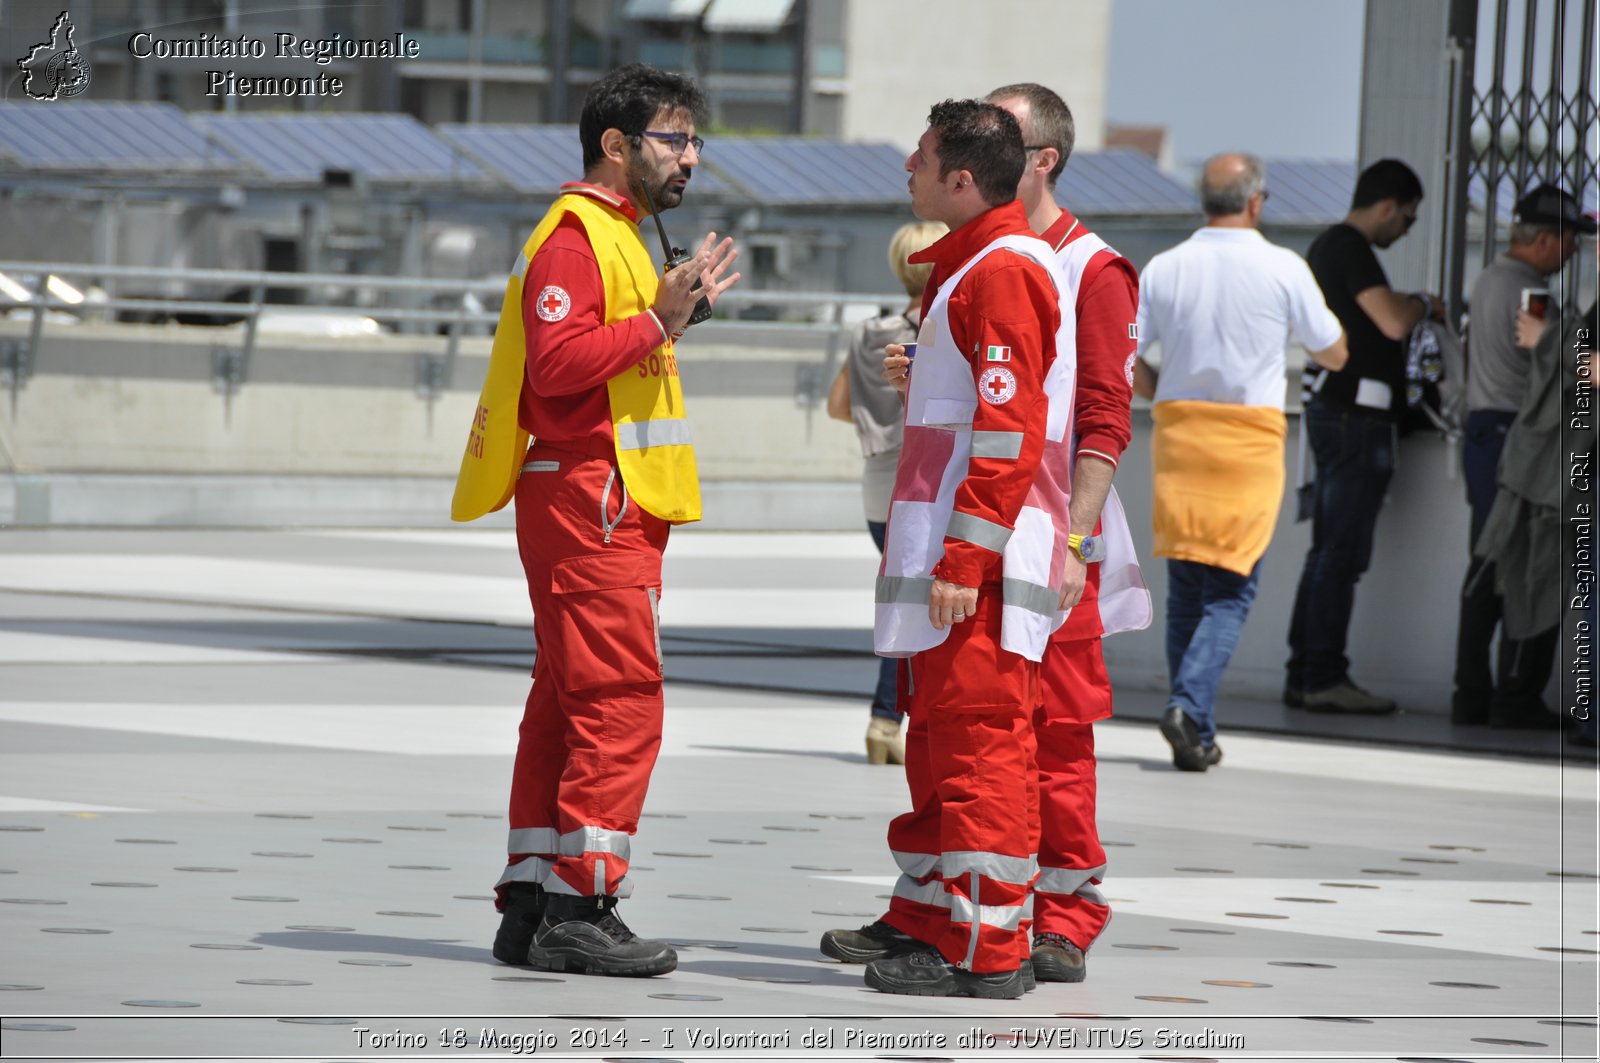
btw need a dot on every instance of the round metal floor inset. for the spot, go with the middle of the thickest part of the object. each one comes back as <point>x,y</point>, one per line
<point>1171,1000</point>
<point>1200,930</point>
<point>662,815</point>
<point>1255,915</point>
<point>282,815</point>
<point>376,963</point>
<point>1306,900</point>
<point>523,978</point>
<point>472,896</point>
<point>284,855</point>
<point>71,930</point>
<point>1459,848</point>
<point>796,830</point>
<point>1336,1018</point>
<point>321,929</point>
<point>1426,860</point>
<point>269,981</point>
<point>28,900</point>
<point>266,898</point>
<point>22,830</point>
<point>210,870</point>
<point>318,1020</point>
<point>1350,885</point>
<point>1566,1022</point>
<point>17,987</point>
<point>1231,984</point>
<point>228,948</point>
<point>37,1027</point>
<point>8,871</point>
<point>1148,948</point>
<point>776,979</point>
<point>415,915</point>
<point>1495,900</point>
<point>1512,1042</point>
<point>832,815</point>
<point>1570,874</point>
<point>846,915</point>
<point>821,867</point>
<point>417,867</point>
<point>1412,933</point>
<point>698,997</point>
<point>1301,963</point>
<point>722,946</point>
<point>1561,948</point>
<point>159,1004</point>
<point>428,830</point>
<point>697,897</point>
<point>1205,870</point>
<point>1465,985</point>
<point>127,885</point>
<point>736,841</point>
<point>145,841</point>
<point>1281,845</point>
<point>354,841</point>
<point>1390,871</point>
<point>686,856</point>
<point>772,930</point>
<point>473,815</point>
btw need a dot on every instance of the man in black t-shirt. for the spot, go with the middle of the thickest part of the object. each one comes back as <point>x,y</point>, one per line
<point>1351,423</point>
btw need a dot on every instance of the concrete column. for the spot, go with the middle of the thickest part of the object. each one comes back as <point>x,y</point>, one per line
<point>1405,114</point>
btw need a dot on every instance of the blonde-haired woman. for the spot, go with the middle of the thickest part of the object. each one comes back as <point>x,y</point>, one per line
<point>862,397</point>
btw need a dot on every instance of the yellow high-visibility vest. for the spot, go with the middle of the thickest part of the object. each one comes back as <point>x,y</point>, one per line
<point>655,452</point>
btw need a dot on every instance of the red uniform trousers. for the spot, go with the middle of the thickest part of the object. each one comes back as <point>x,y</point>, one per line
<point>1077,691</point>
<point>592,727</point>
<point>965,848</point>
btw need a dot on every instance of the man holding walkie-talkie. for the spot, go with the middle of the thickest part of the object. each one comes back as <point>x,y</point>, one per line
<point>583,364</point>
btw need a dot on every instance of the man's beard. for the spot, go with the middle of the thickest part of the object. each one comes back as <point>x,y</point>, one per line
<point>661,192</point>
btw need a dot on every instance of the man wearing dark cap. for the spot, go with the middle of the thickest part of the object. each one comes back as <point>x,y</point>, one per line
<point>1544,235</point>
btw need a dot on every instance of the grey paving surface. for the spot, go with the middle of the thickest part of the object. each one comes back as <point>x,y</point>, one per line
<point>251,804</point>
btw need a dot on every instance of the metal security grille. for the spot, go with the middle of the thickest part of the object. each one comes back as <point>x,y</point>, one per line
<point>1532,113</point>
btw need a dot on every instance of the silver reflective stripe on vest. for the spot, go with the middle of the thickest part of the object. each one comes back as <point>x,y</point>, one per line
<point>1030,596</point>
<point>520,269</point>
<point>903,590</point>
<point>997,444</point>
<point>978,532</point>
<point>532,840</point>
<point>641,435</point>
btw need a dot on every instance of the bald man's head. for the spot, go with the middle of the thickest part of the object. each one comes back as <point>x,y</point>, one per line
<point>1229,181</point>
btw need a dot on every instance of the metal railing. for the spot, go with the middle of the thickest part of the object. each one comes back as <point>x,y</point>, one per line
<point>452,313</point>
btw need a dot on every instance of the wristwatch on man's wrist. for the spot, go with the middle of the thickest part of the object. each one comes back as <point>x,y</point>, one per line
<point>1087,548</point>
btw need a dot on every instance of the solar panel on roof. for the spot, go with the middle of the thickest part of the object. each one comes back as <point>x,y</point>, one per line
<point>798,170</point>
<point>124,137</point>
<point>381,147</point>
<point>1308,191</point>
<point>1121,182</point>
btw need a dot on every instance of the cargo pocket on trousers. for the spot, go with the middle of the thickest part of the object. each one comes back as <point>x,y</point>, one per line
<point>607,617</point>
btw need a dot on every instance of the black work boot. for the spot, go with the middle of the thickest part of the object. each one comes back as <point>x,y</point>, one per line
<point>875,941</point>
<point>585,935</point>
<point>1055,959</point>
<point>524,907</point>
<point>928,974</point>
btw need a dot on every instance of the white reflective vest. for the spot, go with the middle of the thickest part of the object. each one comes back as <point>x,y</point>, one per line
<point>939,443</point>
<point>1125,603</point>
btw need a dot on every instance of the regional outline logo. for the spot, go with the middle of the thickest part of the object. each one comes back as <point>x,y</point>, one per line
<point>997,385</point>
<point>553,303</point>
<point>55,69</point>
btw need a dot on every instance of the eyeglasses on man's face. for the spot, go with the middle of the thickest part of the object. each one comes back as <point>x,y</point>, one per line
<point>677,143</point>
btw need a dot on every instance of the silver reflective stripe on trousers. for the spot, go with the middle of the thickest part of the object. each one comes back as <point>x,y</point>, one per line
<point>1030,596</point>
<point>931,893</point>
<point>917,865</point>
<point>572,843</point>
<point>997,444</point>
<point>1006,917</point>
<point>903,590</point>
<point>1018,870</point>
<point>532,840</point>
<point>978,532</point>
<point>640,435</point>
<point>1067,880</point>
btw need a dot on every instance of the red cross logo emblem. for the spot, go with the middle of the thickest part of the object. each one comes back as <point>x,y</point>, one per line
<point>997,385</point>
<point>553,303</point>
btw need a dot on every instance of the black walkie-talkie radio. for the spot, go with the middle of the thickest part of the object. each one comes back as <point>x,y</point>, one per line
<point>676,256</point>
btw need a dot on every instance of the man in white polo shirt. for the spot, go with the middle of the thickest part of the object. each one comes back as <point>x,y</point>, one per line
<point>1223,305</point>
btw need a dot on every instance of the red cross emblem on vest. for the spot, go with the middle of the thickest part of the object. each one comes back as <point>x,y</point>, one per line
<point>553,303</point>
<point>997,385</point>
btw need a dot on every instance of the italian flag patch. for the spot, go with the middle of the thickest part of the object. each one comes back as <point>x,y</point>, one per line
<point>997,354</point>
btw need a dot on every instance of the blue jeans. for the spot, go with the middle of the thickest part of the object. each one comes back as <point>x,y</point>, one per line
<point>1354,451</point>
<point>1481,608</point>
<point>1206,610</point>
<point>883,699</point>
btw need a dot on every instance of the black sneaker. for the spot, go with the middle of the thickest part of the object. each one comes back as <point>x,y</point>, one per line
<point>1055,959</point>
<point>875,941</point>
<point>1184,738</point>
<point>928,974</point>
<point>585,935</point>
<point>518,920</point>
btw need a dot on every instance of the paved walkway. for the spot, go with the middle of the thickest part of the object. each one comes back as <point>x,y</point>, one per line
<point>252,790</point>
